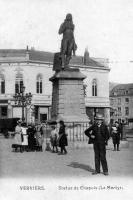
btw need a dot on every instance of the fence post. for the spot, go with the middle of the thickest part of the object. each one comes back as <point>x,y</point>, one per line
<point>83,131</point>
<point>73,131</point>
<point>80,131</point>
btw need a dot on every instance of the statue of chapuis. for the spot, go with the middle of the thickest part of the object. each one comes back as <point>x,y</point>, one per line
<point>68,44</point>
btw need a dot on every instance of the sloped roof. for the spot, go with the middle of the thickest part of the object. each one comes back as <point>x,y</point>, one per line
<point>44,56</point>
<point>12,52</point>
<point>48,57</point>
<point>41,56</point>
<point>122,90</point>
<point>112,85</point>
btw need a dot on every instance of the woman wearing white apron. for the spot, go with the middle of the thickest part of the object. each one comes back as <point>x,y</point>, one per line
<point>24,137</point>
<point>18,137</point>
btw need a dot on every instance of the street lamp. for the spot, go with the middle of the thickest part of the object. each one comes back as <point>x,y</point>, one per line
<point>22,100</point>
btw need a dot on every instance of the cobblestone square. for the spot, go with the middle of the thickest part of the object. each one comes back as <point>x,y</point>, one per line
<point>60,175</point>
<point>79,162</point>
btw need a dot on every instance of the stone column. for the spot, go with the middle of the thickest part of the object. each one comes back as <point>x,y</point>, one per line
<point>124,132</point>
<point>9,109</point>
<point>68,102</point>
<point>107,115</point>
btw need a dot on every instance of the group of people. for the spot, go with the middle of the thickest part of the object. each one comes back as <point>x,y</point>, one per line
<point>58,138</point>
<point>31,137</point>
<point>99,135</point>
<point>28,138</point>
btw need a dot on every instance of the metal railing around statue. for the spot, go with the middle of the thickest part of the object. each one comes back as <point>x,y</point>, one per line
<point>74,131</point>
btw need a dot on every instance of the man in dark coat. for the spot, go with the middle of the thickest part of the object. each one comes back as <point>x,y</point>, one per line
<point>98,135</point>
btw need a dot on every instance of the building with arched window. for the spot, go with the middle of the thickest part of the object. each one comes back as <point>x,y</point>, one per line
<point>94,87</point>
<point>18,82</point>
<point>3,106</point>
<point>39,84</point>
<point>121,103</point>
<point>33,69</point>
<point>2,84</point>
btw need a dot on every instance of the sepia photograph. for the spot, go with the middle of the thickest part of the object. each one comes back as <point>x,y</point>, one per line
<point>66,99</point>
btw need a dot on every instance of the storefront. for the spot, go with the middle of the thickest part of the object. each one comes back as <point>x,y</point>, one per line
<point>3,109</point>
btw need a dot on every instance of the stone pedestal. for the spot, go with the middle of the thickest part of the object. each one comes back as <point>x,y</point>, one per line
<point>68,101</point>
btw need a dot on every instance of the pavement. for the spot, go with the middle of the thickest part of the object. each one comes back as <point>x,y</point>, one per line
<point>79,162</point>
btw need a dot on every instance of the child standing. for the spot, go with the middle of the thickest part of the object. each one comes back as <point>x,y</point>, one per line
<point>116,131</point>
<point>53,138</point>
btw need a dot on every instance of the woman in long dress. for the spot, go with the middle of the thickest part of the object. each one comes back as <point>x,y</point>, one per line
<point>39,137</point>
<point>31,137</point>
<point>18,136</point>
<point>62,140</point>
<point>24,137</point>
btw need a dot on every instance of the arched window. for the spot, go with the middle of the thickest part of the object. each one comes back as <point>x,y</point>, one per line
<point>18,83</point>
<point>2,84</point>
<point>39,84</point>
<point>94,87</point>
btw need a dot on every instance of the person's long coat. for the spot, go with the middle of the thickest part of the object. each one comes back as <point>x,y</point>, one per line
<point>31,138</point>
<point>39,136</point>
<point>62,140</point>
<point>116,136</point>
<point>94,130</point>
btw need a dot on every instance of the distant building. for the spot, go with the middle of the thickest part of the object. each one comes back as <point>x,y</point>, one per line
<point>121,103</point>
<point>112,85</point>
<point>33,69</point>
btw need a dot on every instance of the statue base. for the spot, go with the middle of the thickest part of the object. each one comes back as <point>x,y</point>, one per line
<point>68,102</point>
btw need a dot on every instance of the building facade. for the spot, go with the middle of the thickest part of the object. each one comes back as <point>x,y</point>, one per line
<point>33,69</point>
<point>121,103</point>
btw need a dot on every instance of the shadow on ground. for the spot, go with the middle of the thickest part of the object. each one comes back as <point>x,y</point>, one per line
<point>81,166</point>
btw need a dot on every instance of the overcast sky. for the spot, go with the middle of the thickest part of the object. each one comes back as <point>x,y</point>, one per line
<point>104,26</point>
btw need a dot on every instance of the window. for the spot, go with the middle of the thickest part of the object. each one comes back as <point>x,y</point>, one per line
<point>119,100</point>
<point>127,100</point>
<point>94,87</point>
<point>4,111</point>
<point>39,84</point>
<point>18,83</point>
<point>126,110</point>
<point>119,111</point>
<point>111,101</point>
<point>2,85</point>
<point>126,92</point>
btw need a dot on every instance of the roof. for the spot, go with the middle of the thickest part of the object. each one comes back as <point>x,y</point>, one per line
<point>12,52</point>
<point>122,90</point>
<point>43,56</point>
<point>112,85</point>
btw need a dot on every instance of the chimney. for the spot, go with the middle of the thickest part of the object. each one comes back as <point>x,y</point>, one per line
<point>86,56</point>
<point>27,48</point>
<point>27,52</point>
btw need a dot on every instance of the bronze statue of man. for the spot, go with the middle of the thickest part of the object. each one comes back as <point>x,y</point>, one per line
<point>68,44</point>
